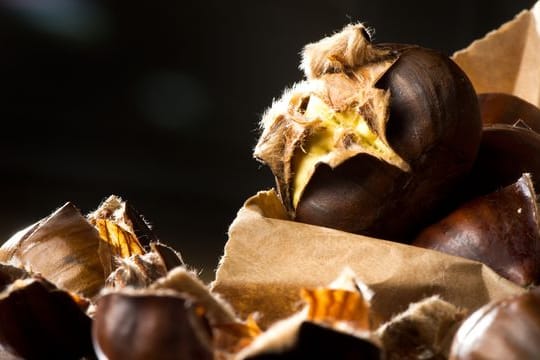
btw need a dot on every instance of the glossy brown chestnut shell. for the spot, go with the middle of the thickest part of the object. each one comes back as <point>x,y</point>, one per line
<point>501,108</point>
<point>510,138</point>
<point>149,325</point>
<point>434,125</point>
<point>506,152</point>
<point>39,321</point>
<point>505,329</point>
<point>500,229</point>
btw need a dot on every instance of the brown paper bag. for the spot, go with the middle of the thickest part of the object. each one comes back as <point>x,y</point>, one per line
<point>268,259</point>
<point>507,59</point>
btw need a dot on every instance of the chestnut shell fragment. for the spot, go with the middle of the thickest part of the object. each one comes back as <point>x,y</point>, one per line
<point>434,125</point>
<point>315,341</point>
<point>505,329</point>
<point>500,229</point>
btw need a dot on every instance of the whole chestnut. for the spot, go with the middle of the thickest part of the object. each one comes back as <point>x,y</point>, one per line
<point>505,153</point>
<point>501,230</point>
<point>376,137</point>
<point>149,325</point>
<point>501,108</point>
<point>504,329</point>
<point>40,321</point>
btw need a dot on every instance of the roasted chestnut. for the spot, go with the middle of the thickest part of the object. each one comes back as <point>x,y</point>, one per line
<point>376,137</point>
<point>39,321</point>
<point>505,153</point>
<point>149,325</point>
<point>501,230</point>
<point>504,329</point>
<point>501,108</point>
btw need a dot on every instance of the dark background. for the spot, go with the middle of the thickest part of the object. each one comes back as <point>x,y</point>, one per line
<point>158,101</point>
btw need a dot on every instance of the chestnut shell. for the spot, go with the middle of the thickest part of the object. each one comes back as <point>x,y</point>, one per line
<point>510,137</point>
<point>500,229</point>
<point>149,326</point>
<point>505,153</point>
<point>434,125</point>
<point>39,321</point>
<point>501,108</point>
<point>315,341</point>
<point>505,329</point>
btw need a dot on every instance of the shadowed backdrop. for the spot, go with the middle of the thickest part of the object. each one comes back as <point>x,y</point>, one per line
<point>158,102</point>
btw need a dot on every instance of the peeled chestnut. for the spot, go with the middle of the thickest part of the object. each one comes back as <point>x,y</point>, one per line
<point>504,329</point>
<point>501,230</point>
<point>374,139</point>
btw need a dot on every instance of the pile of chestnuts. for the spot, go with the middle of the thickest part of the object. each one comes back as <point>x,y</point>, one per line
<point>391,141</point>
<point>107,288</point>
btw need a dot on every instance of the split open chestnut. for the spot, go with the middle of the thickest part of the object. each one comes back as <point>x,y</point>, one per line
<point>374,139</point>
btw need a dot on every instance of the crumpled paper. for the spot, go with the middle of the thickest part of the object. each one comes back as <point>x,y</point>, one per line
<point>507,59</point>
<point>268,258</point>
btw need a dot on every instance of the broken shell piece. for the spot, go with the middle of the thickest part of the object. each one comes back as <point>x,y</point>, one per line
<point>230,334</point>
<point>129,222</point>
<point>138,271</point>
<point>126,216</point>
<point>505,329</point>
<point>501,230</point>
<point>125,261</point>
<point>231,338</point>
<point>63,248</point>
<point>307,340</point>
<point>334,323</point>
<point>147,324</point>
<point>82,252</point>
<point>184,281</point>
<point>141,270</point>
<point>424,331</point>
<point>118,243</point>
<point>335,306</point>
<point>170,257</point>
<point>39,321</point>
<point>344,304</point>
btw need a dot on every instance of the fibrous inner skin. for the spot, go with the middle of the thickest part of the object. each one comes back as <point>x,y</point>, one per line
<point>346,131</point>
